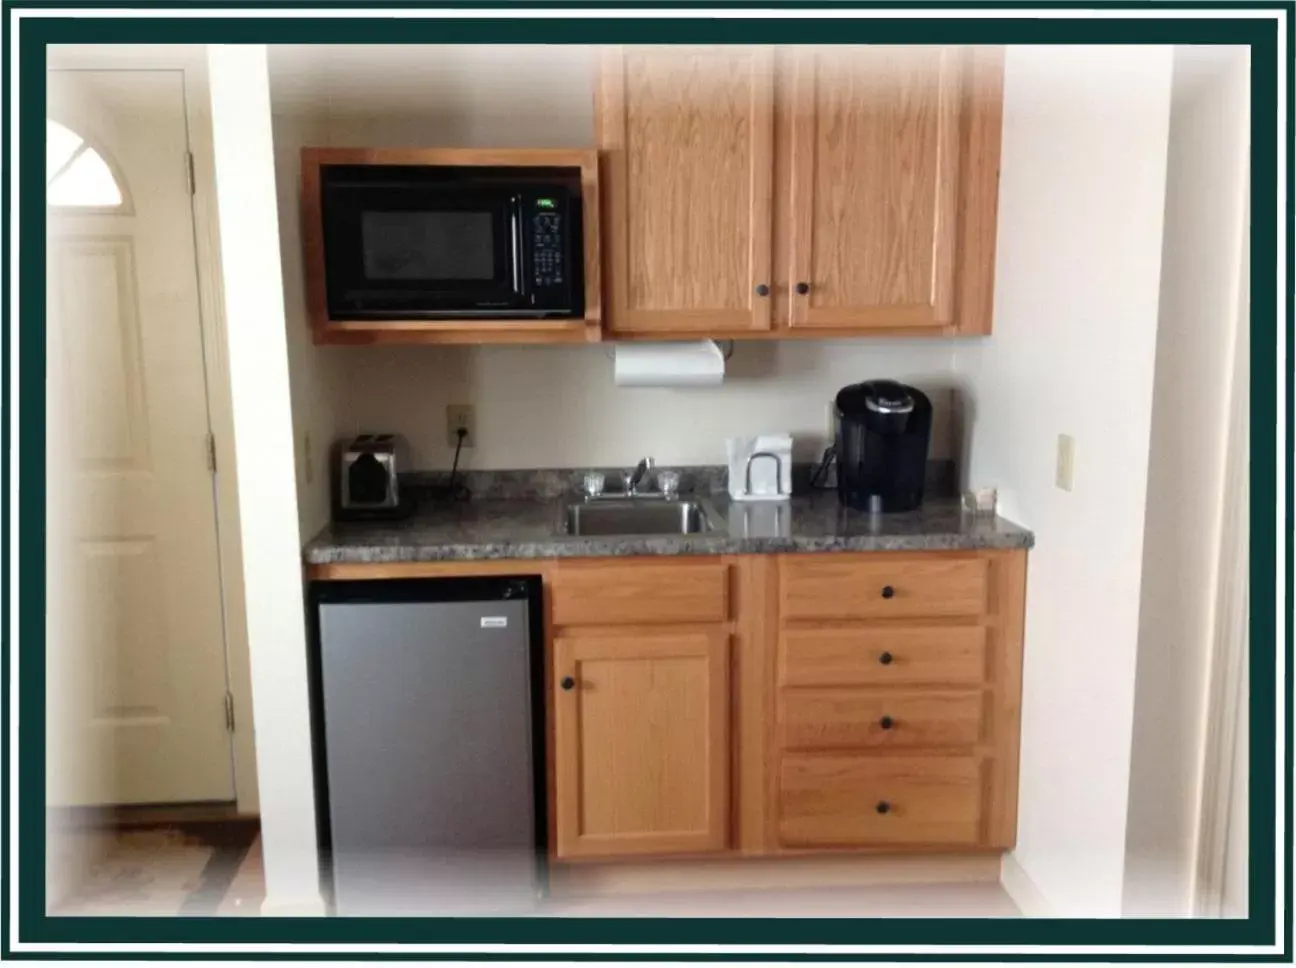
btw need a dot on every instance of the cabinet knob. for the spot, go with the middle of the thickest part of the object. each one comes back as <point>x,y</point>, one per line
<point>883,807</point>
<point>762,290</point>
<point>568,683</point>
<point>886,722</point>
<point>886,658</point>
<point>802,288</point>
<point>888,591</point>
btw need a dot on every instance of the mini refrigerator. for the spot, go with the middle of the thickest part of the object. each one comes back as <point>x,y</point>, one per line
<point>427,722</point>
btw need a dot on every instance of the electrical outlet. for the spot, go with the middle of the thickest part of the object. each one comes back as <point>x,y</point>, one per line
<point>1065,461</point>
<point>461,415</point>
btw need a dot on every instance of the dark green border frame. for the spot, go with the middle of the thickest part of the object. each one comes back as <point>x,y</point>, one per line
<point>1259,929</point>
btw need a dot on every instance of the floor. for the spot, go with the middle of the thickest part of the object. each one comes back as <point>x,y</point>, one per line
<point>984,900</point>
<point>191,869</point>
<point>189,872</point>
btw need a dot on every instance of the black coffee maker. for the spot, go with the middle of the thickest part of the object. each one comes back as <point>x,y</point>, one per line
<point>883,431</point>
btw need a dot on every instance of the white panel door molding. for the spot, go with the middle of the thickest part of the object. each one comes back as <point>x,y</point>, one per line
<point>136,659</point>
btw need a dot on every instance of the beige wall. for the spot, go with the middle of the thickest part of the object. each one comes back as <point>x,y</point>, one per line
<point>1080,224</point>
<point>535,406</point>
<point>314,371</point>
<point>1202,269</point>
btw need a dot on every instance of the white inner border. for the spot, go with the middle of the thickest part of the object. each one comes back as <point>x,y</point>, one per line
<point>1280,746</point>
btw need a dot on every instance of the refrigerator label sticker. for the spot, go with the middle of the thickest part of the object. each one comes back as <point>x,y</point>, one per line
<point>494,622</point>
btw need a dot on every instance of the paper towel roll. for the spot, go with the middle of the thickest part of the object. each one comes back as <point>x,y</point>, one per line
<point>668,364</point>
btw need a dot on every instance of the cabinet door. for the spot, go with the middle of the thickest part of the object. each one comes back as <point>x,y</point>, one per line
<point>893,187</point>
<point>641,743</point>
<point>687,141</point>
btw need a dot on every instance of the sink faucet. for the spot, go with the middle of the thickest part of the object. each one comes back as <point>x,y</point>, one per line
<point>778,470</point>
<point>637,475</point>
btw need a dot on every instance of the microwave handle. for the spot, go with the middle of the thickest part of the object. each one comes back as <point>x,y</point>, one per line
<point>515,224</point>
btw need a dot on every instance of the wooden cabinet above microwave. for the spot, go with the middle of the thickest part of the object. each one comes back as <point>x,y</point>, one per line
<point>457,246</point>
<point>757,192</point>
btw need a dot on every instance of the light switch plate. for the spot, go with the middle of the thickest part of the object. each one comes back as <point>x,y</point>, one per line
<point>1065,461</point>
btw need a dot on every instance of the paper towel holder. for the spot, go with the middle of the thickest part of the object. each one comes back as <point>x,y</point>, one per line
<point>726,353</point>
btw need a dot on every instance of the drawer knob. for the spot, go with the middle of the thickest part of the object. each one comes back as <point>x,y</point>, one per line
<point>568,683</point>
<point>886,722</point>
<point>762,290</point>
<point>888,591</point>
<point>886,658</point>
<point>802,288</point>
<point>883,807</point>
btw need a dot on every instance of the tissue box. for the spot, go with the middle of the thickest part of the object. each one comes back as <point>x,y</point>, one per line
<point>771,476</point>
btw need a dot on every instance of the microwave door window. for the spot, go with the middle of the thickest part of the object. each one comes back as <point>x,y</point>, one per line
<point>429,247</point>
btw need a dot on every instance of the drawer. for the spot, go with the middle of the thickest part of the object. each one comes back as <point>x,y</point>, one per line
<point>640,594</point>
<point>862,719</point>
<point>835,586</point>
<point>882,656</point>
<point>866,800</point>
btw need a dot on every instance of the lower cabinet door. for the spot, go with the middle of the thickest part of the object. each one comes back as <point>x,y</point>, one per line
<point>641,743</point>
<point>858,801</point>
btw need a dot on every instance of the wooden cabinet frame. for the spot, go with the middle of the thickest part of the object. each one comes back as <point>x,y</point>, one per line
<point>364,332</point>
<point>612,124</point>
<point>966,200</point>
<point>572,783</point>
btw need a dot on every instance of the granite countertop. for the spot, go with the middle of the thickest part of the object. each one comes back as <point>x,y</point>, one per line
<point>530,528</point>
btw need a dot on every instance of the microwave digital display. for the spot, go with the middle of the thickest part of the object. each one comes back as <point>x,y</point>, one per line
<point>441,242</point>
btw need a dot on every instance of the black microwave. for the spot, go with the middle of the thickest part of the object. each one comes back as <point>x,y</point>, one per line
<point>451,242</point>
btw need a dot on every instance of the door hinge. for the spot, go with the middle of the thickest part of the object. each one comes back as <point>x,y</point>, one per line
<point>189,171</point>
<point>229,712</point>
<point>211,452</point>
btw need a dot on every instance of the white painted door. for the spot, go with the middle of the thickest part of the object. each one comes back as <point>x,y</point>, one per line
<point>136,675</point>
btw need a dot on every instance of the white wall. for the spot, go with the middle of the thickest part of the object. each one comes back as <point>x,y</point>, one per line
<point>1201,275</point>
<point>557,406</point>
<point>544,406</point>
<point>267,494</point>
<point>1081,198</point>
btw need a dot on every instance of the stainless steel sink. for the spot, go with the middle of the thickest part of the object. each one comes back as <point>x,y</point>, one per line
<point>634,517</point>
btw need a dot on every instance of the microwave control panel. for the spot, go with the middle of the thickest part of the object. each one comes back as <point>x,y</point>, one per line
<point>548,243</point>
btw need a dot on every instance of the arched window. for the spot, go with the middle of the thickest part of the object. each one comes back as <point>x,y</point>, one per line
<point>76,175</point>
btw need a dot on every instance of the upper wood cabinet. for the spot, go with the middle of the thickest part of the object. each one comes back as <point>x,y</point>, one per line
<point>687,148</point>
<point>812,191</point>
<point>872,186</point>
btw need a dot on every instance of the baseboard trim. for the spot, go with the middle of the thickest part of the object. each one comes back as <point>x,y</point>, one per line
<point>1025,894</point>
<point>770,873</point>
<point>150,814</point>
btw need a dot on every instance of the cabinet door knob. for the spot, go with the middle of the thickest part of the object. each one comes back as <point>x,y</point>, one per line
<point>802,288</point>
<point>888,591</point>
<point>883,807</point>
<point>886,658</point>
<point>568,683</point>
<point>762,290</point>
<point>886,722</point>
